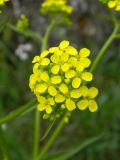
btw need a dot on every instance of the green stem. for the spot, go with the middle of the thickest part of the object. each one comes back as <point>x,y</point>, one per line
<point>104,48</point>
<point>36,135</point>
<point>46,36</point>
<point>3,146</point>
<point>28,33</point>
<point>117,36</point>
<point>52,139</point>
<point>18,112</point>
<point>37,116</point>
<point>48,130</point>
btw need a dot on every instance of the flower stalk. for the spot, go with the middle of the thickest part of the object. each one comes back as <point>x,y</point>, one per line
<point>3,146</point>
<point>105,47</point>
<point>37,114</point>
<point>46,36</point>
<point>52,138</point>
<point>36,134</point>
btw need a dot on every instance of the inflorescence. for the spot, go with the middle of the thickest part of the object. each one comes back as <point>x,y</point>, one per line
<point>59,80</point>
<point>2,2</point>
<point>53,6</point>
<point>114,4</point>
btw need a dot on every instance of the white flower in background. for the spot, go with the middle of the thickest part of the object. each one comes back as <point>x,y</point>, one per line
<point>22,51</point>
<point>4,126</point>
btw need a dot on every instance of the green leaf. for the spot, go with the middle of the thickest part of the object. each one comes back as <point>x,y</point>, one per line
<point>27,33</point>
<point>64,155</point>
<point>3,24</point>
<point>18,112</point>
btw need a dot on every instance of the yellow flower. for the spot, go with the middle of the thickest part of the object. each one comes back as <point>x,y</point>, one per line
<point>44,104</point>
<point>58,81</point>
<point>53,6</point>
<point>70,104</point>
<point>88,99</point>
<point>114,4</point>
<point>2,2</point>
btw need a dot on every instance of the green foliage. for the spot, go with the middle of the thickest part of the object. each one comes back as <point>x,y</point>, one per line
<point>23,23</point>
<point>103,1</point>
<point>69,153</point>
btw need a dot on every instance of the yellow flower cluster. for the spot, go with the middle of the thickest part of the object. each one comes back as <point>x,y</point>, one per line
<point>114,4</point>
<point>53,6</point>
<point>59,78</point>
<point>2,2</point>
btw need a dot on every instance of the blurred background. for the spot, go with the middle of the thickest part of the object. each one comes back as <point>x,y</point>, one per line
<point>88,29</point>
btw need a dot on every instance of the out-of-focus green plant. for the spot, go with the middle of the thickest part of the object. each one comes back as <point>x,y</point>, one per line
<point>56,7</point>
<point>58,10</point>
<point>23,23</point>
<point>2,2</point>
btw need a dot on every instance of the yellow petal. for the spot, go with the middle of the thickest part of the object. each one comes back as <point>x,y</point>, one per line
<point>59,52</point>
<point>45,61</point>
<point>44,76</point>
<point>65,67</point>
<point>36,67</point>
<point>36,59</point>
<point>55,69</point>
<point>56,79</point>
<point>84,91</point>
<point>80,66</point>
<point>32,81</point>
<point>87,76</point>
<point>72,61</point>
<point>75,93</point>
<point>67,9</point>
<point>34,78</point>
<point>117,7</point>
<point>86,62</point>
<point>71,50</point>
<point>41,88</point>
<point>48,109</point>
<point>64,44</point>
<point>111,4</point>
<point>84,52</point>
<point>55,59</point>
<point>51,101</point>
<point>59,98</point>
<point>63,88</point>
<point>93,107</point>
<point>70,104</point>
<point>41,99</point>
<point>53,49</point>
<point>70,74</point>
<point>44,54</point>
<point>41,107</point>
<point>92,92</point>
<point>52,91</point>
<point>82,104</point>
<point>64,57</point>
<point>76,82</point>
